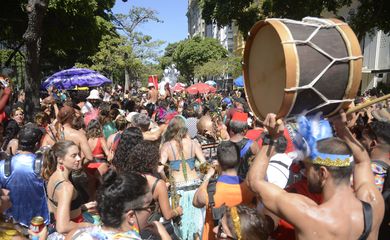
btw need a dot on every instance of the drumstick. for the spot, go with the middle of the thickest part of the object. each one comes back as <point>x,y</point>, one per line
<point>367,104</point>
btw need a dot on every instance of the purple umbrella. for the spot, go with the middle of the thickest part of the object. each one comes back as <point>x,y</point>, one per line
<point>70,78</point>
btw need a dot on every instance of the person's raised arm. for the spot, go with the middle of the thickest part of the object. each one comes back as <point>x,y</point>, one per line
<point>292,207</point>
<point>362,175</point>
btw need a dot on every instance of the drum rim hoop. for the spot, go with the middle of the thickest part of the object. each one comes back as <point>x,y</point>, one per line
<point>355,66</point>
<point>292,59</point>
<point>291,66</point>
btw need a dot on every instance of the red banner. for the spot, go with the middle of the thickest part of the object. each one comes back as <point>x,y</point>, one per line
<point>153,79</point>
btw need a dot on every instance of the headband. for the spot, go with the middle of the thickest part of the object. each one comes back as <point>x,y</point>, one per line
<point>308,133</point>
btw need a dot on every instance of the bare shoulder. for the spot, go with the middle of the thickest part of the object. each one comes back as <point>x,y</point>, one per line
<point>370,194</point>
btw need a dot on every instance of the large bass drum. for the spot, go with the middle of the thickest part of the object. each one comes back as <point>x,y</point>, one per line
<point>294,67</point>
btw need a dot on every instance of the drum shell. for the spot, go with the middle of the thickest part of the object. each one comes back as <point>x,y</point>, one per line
<point>273,63</point>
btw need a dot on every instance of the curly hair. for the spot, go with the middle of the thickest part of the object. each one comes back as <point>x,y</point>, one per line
<point>129,139</point>
<point>144,158</point>
<point>94,129</point>
<point>253,225</point>
<point>126,190</point>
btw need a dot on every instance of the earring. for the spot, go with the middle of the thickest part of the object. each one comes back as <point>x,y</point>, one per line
<point>62,168</point>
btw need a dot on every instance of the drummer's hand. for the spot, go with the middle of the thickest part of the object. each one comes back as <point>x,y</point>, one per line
<point>339,121</point>
<point>275,127</point>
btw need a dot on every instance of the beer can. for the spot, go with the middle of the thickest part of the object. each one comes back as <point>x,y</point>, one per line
<point>37,224</point>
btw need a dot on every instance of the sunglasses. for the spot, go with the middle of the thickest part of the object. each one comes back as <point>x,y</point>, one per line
<point>222,234</point>
<point>148,208</point>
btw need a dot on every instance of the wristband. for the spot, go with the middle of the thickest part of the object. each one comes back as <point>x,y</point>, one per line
<point>267,140</point>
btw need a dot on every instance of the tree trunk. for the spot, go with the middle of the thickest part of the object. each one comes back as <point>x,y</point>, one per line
<point>127,80</point>
<point>36,10</point>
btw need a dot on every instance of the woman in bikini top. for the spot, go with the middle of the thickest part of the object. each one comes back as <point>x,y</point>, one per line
<point>64,201</point>
<point>180,152</point>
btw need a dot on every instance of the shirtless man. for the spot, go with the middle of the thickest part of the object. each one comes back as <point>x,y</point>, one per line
<point>152,94</point>
<point>341,215</point>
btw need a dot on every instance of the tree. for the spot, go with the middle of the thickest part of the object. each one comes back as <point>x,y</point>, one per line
<point>36,11</point>
<point>223,12</point>
<point>124,55</point>
<point>194,52</point>
<point>55,33</point>
<point>167,59</point>
<point>298,9</point>
<point>219,68</point>
<point>370,14</point>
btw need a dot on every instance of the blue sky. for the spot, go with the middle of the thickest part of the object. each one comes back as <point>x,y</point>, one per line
<point>172,12</point>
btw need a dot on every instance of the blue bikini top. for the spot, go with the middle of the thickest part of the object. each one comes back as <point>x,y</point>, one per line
<point>175,164</point>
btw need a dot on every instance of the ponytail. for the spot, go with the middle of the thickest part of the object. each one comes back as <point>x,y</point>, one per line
<point>49,163</point>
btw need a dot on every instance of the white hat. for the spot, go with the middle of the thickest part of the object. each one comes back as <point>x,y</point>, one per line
<point>94,94</point>
<point>130,116</point>
<point>150,84</point>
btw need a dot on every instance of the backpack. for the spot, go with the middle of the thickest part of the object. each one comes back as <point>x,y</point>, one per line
<point>217,213</point>
<point>37,165</point>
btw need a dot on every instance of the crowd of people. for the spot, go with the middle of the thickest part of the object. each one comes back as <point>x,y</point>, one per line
<point>106,164</point>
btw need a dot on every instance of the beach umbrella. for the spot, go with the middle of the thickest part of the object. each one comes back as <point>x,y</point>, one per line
<point>239,82</point>
<point>80,77</point>
<point>211,83</point>
<point>200,88</point>
<point>179,87</point>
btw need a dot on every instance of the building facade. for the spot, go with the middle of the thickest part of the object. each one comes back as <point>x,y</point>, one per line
<point>228,36</point>
<point>375,48</point>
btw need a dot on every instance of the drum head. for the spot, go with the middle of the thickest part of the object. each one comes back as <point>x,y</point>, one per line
<point>265,71</point>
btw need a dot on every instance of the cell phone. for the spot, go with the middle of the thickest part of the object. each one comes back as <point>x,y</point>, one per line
<point>4,83</point>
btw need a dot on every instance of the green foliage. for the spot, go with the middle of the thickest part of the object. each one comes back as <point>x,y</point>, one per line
<point>167,59</point>
<point>218,68</point>
<point>16,64</point>
<point>371,14</point>
<point>194,52</point>
<point>244,12</point>
<point>72,30</point>
<point>131,51</point>
<point>298,9</point>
